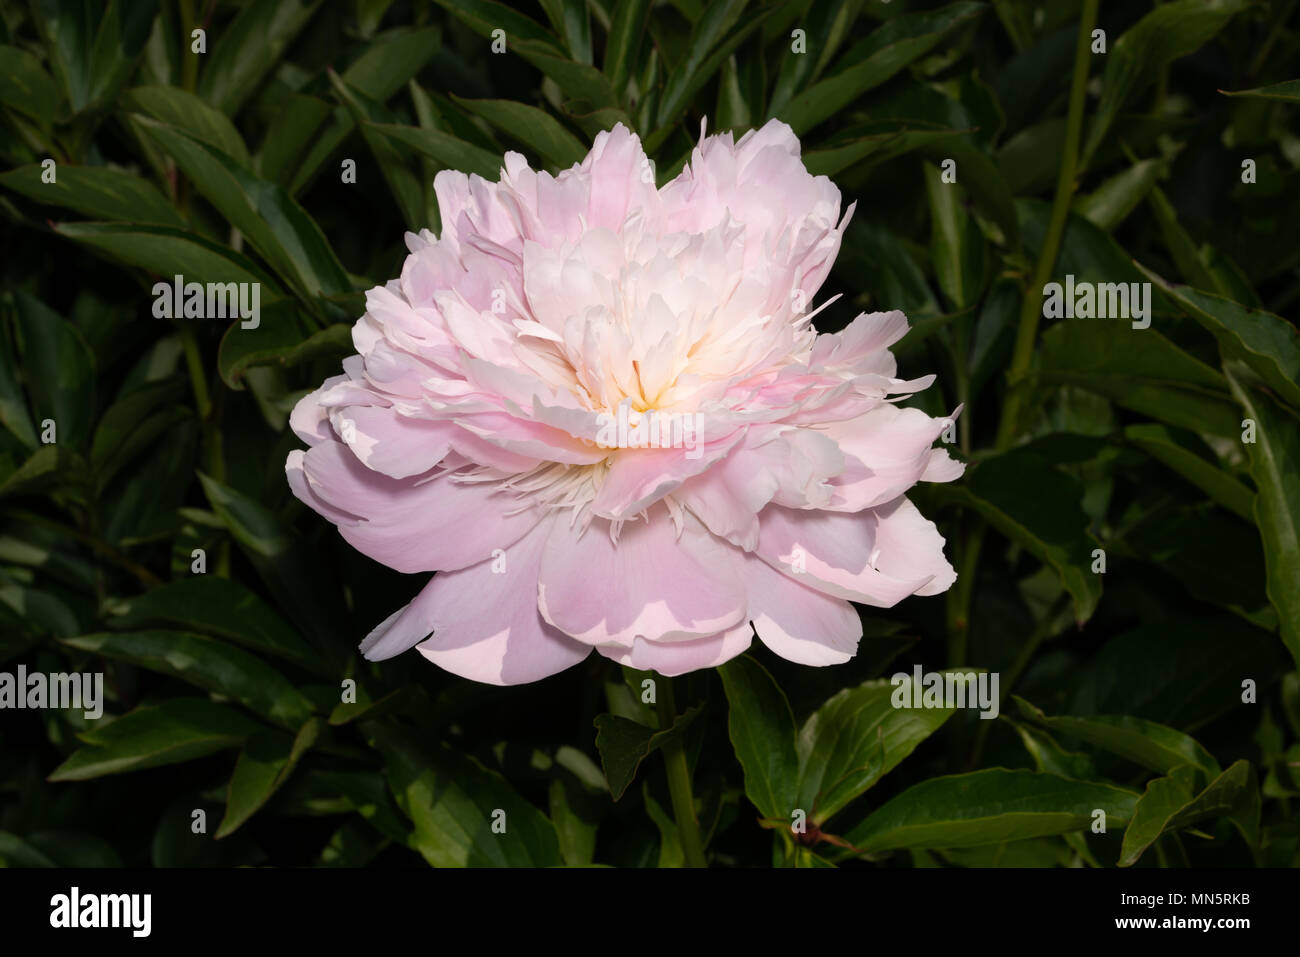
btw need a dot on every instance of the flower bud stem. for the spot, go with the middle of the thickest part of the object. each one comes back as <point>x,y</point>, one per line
<point>679,778</point>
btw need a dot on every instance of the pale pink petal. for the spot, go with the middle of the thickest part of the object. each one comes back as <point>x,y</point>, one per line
<point>650,584</point>
<point>797,622</point>
<point>485,622</point>
<point>831,552</point>
<point>910,547</point>
<point>413,525</point>
<point>673,658</point>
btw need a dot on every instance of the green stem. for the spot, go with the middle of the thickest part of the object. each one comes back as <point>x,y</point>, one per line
<point>189,59</point>
<point>959,600</point>
<point>194,363</point>
<point>679,778</point>
<point>1031,306</point>
<point>959,597</point>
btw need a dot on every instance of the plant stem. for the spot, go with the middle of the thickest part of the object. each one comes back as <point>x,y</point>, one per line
<point>679,778</point>
<point>959,598</point>
<point>194,363</point>
<point>1027,331</point>
<point>1031,306</point>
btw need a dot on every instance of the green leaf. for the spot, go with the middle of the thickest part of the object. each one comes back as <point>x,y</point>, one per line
<point>96,191</point>
<point>26,87</point>
<point>391,59</point>
<point>176,730</point>
<point>268,217</point>
<point>1275,467</point>
<point>856,738</point>
<point>283,562</point>
<point>670,841</point>
<point>575,814</point>
<point>67,30</point>
<point>219,607</point>
<point>1182,248</point>
<point>206,663</point>
<point>1182,670</point>
<point>1168,32</point>
<point>989,807</point>
<point>166,251</point>
<point>712,32</point>
<point>1170,803</point>
<point>827,26</point>
<point>267,761</point>
<point>454,802</point>
<point>1267,343</point>
<point>118,45</point>
<point>447,150</point>
<point>292,138</point>
<point>874,60</point>
<point>572,21</point>
<point>577,81</point>
<point>1110,203</point>
<point>402,183</point>
<point>1141,370</point>
<point>279,339</point>
<point>623,41</point>
<point>247,49</point>
<point>15,852</point>
<point>59,369</point>
<point>762,732</point>
<point>1143,742</point>
<point>185,111</point>
<point>623,744</point>
<point>1050,756</point>
<point>1288,92</point>
<point>985,186</point>
<point>484,16</point>
<point>314,792</point>
<point>45,469</point>
<point>862,143</point>
<point>1037,506</point>
<point>539,131</point>
<point>957,247</point>
<point>1172,450</point>
<point>133,424</point>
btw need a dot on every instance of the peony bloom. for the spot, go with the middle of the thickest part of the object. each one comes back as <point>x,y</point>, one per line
<point>601,413</point>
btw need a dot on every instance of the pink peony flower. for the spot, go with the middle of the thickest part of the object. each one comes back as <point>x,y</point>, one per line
<point>601,413</point>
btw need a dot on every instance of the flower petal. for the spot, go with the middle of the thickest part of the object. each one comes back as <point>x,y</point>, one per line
<point>650,584</point>
<point>798,623</point>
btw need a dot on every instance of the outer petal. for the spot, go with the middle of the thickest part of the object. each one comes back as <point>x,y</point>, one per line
<point>485,622</point>
<point>396,445</point>
<point>888,451</point>
<point>910,547</point>
<point>408,524</point>
<point>836,552</point>
<point>798,623</point>
<point>672,658</point>
<point>650,584</point>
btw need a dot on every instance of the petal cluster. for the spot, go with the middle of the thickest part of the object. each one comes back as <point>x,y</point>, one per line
<point>601,413</point>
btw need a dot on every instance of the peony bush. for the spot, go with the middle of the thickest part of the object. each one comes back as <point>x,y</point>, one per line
<point>857,435</point>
